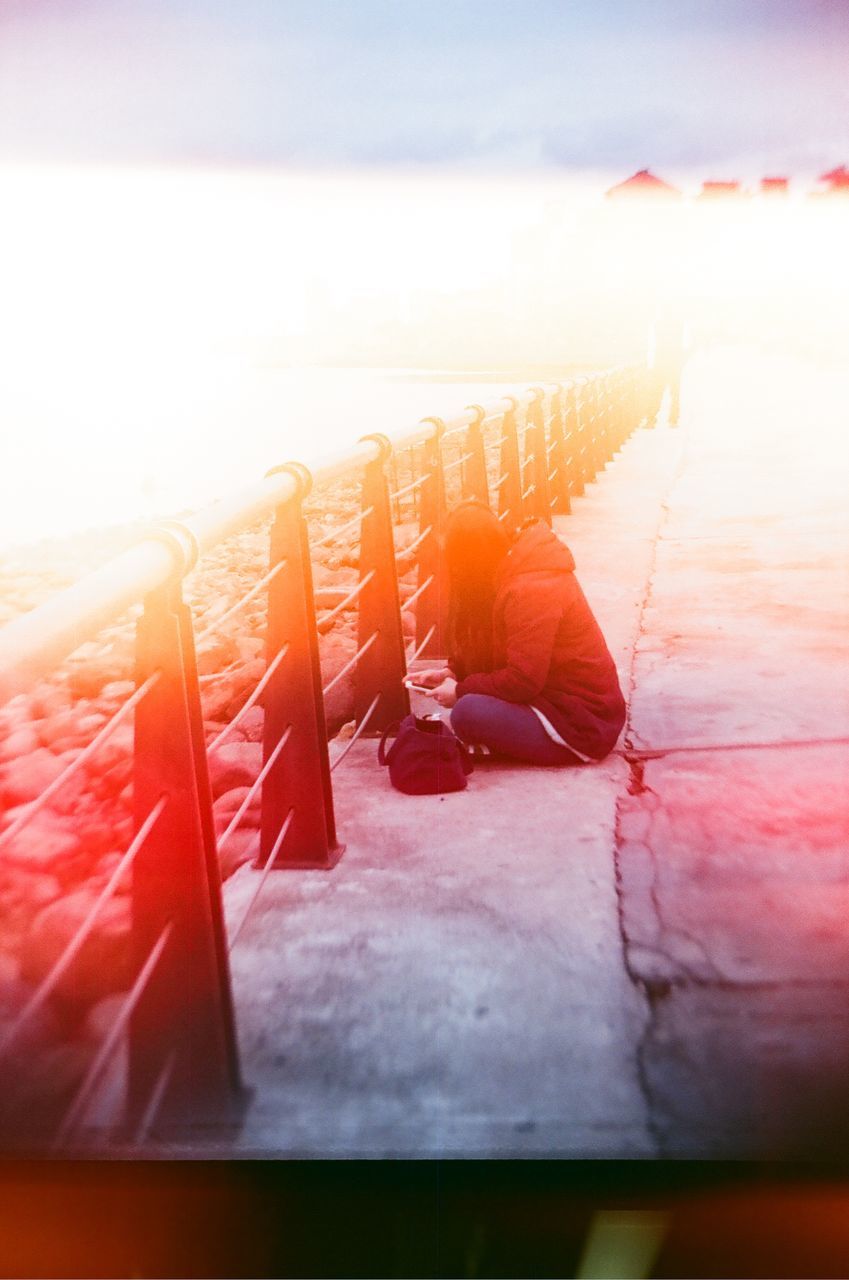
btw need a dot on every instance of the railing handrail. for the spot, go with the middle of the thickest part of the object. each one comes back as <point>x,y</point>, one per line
<point>34,644</point>
<point>178,1019</point>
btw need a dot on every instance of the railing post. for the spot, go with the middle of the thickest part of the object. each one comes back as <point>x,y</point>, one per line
<point>595,427</point>
<point>557,454</point>
<point>571,443</point>
<point>381,669</point>
<point>582,437</point>
<point>605,435</point>
<point>623,423</point>
<point>474,477</point>
<point>431,606</point>
<point>298,782</point>
<point>510,505</point>
<point>182,1031</point>
<point>540,503</point>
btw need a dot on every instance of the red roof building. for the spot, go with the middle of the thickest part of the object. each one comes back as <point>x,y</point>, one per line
<point>643,183</point>
<point>836,181</point>
<point>719,190</point>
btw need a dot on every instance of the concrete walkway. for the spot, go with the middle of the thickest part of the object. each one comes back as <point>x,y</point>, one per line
<point>641,958</point>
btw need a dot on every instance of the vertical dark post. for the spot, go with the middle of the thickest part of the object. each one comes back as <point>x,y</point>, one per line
<point>593,426</point>
<point>381,669</point>
<point>605,404</point>
<point>582,435</point>
<point>558,456</point>
<point>571,442</point>
<point>510,505</point>
<point>623,426</point>
<point>431,605</point>
<point>182,1029</point>
<point>540,499</point>
<point>299,779</point>
<point>475,484</point>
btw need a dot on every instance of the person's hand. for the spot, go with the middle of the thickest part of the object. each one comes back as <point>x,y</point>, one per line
<point>432,677</point>
<point>446,692</point>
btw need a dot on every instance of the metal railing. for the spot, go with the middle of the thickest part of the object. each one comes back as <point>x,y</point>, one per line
<point>172,1045</point>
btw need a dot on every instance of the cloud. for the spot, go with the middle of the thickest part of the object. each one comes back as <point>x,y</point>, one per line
<point>557,83</point>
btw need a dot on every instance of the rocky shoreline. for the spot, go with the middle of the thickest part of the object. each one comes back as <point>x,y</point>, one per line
<point>53,869</point>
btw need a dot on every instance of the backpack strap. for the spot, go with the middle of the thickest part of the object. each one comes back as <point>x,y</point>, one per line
<point>381,750</point>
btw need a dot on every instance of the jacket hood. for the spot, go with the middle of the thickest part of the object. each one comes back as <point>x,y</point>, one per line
<point>538,550</point>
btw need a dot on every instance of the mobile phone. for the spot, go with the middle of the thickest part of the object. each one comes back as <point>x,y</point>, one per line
<point>418,688</point>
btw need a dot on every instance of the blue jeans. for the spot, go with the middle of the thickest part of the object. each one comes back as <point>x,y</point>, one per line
<point>508,728</point>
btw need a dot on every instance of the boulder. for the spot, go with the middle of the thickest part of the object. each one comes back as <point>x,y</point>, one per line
<point>249,728</point>
<point>63,726</point>
<point>242,847</point>
<point>100,1018</point>
<point>116,693</point>
<point>87,678</point>
<point>228,804</point>
<point>22,895</point>
<point>38,1031</point>
<point>103,963</point>
<point>249,648</point>
<point>20,742</point>
<point>336,650</point>
<point>29,776</point>
<point>44,844</point>
<point>217,653</point>
<point>231,690</point>
<point>330,597</point>
<point>48,700</point>
<point>117,748</point>
<point>105,869</point>
<point>234,764</point>
<point>408,622</point>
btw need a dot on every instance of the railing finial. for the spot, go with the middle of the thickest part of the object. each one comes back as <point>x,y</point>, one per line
<point>301,474</point>
<point>180,539</point>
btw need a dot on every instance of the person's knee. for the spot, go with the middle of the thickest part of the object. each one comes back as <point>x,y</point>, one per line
<point>465,718</point>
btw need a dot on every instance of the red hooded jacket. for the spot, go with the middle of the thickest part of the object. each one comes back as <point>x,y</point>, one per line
<point>548,649</point>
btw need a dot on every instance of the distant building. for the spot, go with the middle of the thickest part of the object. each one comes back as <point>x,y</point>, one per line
<point>643,183</point>
<point>719,190</point>
<point>836,182</point>
<point>774,186</point>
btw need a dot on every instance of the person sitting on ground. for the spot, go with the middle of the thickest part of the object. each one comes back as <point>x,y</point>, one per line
<point>529,674</point>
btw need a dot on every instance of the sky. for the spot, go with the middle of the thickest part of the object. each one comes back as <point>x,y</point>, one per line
<point>724,88</point>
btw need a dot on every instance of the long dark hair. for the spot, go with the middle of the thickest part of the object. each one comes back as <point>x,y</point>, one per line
<point>475,547</point>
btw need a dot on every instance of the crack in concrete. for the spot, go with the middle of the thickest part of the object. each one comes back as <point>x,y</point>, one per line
<point>655,989</point>
<point>639,755</point>
<point>652,992</point>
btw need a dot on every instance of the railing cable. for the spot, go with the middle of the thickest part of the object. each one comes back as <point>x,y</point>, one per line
<point>408,488</point>
<point>243,711</point>
<point>413,547</point>
<point>76,764</point>
<point>157,1093</point>
<point>420,591</point>
<point>241,602</point>
<point>48,984</point>
<point>269,863</point>
<point>326,619</point>
<point>343,671</point>
<point>358,732</point>
<point>420,648</point>
<point>253,789</point>
<point>110,1041</point>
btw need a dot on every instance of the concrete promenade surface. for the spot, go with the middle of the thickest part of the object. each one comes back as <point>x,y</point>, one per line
<point>643,958</point>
